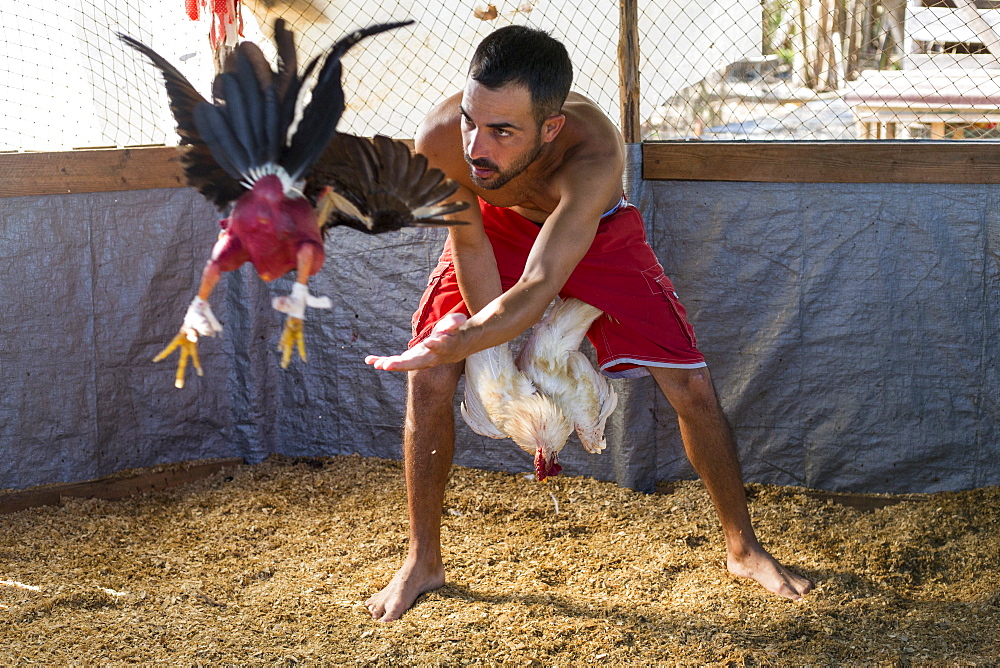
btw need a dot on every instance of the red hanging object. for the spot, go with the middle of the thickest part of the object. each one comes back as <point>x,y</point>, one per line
<point>224,13</point>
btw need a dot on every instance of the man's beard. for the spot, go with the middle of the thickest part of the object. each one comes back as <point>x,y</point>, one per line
<point>502,178</point>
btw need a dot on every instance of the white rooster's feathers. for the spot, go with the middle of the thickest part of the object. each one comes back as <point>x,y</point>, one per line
<point>550,390</point>
<point>552,360</point>
<point>500,402</point>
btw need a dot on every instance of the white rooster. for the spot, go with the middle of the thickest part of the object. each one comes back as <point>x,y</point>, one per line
<point>552,360</point>
<point>501,402</point>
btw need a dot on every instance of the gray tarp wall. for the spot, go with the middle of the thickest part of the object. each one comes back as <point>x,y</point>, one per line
<point>850,330</point>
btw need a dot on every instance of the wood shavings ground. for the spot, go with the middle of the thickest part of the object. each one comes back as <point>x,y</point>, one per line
<point>270,564</point>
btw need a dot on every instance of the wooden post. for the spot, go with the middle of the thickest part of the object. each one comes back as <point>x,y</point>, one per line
<point>855,37</point>
<point>804,61</point>
<point>628,69</point>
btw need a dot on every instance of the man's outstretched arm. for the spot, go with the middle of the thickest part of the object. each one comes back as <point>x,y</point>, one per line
<point>564,239</point>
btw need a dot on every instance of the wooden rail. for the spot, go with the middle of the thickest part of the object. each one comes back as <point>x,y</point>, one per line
<point>89,171</point>
<point>823,162</point>
<point>117,486</point>
<point>23,174</point>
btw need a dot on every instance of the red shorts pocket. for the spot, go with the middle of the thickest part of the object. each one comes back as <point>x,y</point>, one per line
<point>658,283</point>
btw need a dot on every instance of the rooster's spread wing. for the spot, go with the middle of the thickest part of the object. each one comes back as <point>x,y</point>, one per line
<point>378,185</point>
<point>243,134</point>
<point>201,171</point>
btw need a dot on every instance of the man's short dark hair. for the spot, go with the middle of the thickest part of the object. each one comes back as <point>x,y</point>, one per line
<point>529,57</point>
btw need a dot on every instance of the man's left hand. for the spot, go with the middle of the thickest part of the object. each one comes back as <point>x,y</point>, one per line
<point>442,346</point>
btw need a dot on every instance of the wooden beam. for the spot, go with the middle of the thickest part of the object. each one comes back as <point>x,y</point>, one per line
<point>117,486</point>
<point>89,171</point>
<point>628,69</point>
<point>778,162</point>
<point>95,170</point>
<point>823,162</point>
<point>862,502</point>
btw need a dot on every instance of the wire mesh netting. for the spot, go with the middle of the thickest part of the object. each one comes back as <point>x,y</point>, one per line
<point>828,69</point>
<point>709,70</point>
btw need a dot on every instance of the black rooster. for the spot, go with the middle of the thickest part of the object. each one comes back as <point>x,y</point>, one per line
<point>288,190</point>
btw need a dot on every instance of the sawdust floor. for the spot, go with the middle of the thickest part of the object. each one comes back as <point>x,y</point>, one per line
<point>270,564</point>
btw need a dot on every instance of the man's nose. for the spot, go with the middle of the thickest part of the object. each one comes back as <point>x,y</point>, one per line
<point>477,147</point>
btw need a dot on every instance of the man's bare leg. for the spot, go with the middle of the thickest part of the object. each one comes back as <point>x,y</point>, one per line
<point>428,446</point>
<point>709,444</point>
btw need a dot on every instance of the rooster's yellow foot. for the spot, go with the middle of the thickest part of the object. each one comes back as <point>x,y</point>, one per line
<point>292,337</point>
<point>188,344</point>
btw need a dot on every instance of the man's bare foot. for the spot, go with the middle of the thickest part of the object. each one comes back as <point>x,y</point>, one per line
<point>762,567</point>
<point>409,582</point>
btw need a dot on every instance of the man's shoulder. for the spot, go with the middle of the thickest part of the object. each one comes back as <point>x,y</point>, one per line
<point>439,138</point>
<point>589,125</point>
<point>441,121</point>
<point>590,140</point>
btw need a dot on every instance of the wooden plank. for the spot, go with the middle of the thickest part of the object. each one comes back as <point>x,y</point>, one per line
<point>966,10</point>
<point>948,61</point>
<point>628,69</point>
<point>924,89</point>
<point>780,162</point>
<point>89,171</point>
<point>823,162</point>
<point>113,487</point>
<point>864,502</point>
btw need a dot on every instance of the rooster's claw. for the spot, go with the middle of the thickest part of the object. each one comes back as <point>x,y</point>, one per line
<point>187,341</point>
<point>291,338</point>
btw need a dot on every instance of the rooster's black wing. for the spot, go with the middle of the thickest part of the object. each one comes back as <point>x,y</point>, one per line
<point>201,170</point>
<point>378,186</point>
<point>243,133</point>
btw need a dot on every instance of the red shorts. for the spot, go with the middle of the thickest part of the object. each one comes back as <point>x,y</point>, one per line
<point>643,324</point>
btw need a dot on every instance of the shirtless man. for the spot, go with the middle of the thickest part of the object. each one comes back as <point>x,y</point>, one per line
<point>546,165</point>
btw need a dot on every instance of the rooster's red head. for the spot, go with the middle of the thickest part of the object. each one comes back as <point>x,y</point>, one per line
<point>545,468</point>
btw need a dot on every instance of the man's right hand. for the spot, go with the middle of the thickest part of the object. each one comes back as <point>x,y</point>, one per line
<point>442,346</point>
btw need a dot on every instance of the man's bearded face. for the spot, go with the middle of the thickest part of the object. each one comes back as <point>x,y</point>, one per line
<point>497,176</point>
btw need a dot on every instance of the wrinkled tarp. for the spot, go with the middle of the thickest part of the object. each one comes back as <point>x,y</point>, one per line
<point>850,330</point>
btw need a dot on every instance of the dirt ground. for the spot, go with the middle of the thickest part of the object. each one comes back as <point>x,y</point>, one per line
<point>269,564</point>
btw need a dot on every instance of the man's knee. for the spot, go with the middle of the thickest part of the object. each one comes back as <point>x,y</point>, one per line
<point>436,384</point>
<point>687,389</point>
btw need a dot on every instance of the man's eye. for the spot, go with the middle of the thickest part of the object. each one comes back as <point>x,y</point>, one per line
<point>502,133</point>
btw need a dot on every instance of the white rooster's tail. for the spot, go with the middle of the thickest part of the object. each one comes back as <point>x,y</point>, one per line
<point>568,321</point>
<point>552,360</point>
<point>561,331</point>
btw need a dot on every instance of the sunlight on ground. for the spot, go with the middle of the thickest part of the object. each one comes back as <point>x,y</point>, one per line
<point>19,585</point>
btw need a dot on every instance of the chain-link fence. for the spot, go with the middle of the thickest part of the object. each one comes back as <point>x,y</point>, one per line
<point>708,70</point>
<point>837,69</point>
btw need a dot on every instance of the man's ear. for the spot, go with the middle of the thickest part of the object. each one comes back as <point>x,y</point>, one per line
<point>551,127</point>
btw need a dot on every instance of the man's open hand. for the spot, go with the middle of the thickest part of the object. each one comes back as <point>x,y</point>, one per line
<point>441,347</point>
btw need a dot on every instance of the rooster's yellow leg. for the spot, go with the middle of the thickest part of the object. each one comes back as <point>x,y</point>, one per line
<point>188,348</point>
<point>292,338</point>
